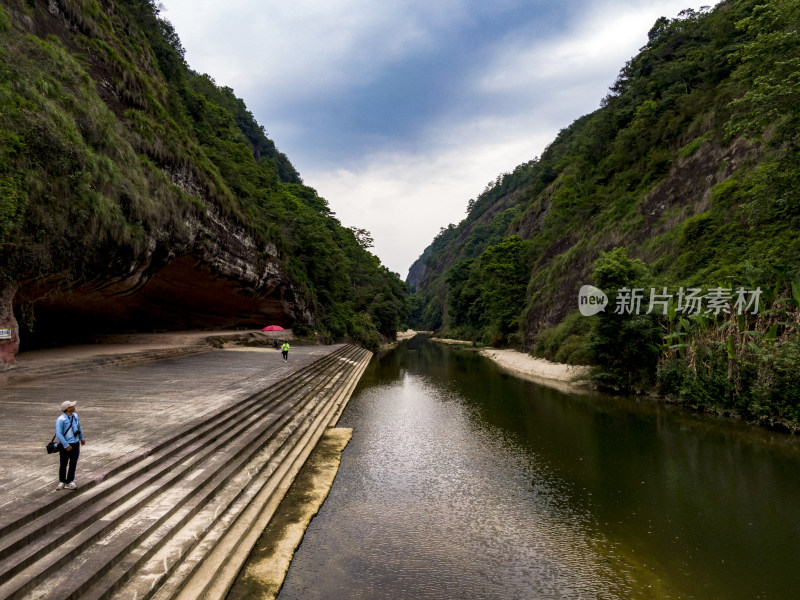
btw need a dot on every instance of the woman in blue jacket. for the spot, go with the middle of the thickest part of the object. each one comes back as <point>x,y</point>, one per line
<point>70,440</point>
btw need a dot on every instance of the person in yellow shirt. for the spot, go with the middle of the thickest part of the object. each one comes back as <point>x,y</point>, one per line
<point>285,351</point>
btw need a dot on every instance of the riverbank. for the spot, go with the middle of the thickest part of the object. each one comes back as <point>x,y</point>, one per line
<point>565,377</point>
<point>576,379</point>
<point>456,464</point>
<point>266,568</point>
<point>573,378</point>
<point>410,333</point>
<point>401,336</point>
<point>538,369</point>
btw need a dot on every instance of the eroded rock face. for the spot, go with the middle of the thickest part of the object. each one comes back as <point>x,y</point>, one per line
<point>9,329</point>
<point>218,279</point>
<point>686,190</point>
<point>69,271</point>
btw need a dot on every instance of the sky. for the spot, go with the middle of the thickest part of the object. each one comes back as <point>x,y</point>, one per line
<point>400,112</point>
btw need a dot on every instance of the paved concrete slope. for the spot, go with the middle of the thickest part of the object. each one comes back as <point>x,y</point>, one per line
<point>185,461</point>
<point>123,349</point>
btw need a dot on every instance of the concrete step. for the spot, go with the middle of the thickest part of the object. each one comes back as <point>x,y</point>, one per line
<point>200,537</point>
<point>146,458</point>
<point>95,503</point>
<point>171,498</point>
<point>134,539</point>
<point>216,571</point>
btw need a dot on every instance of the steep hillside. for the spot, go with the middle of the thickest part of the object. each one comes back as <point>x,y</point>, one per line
<point>690,167</point>
<point>136,194</point>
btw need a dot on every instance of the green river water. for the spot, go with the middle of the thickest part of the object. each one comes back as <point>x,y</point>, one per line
<point>464,482</point>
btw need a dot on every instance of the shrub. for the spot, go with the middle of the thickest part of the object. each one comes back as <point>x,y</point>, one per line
<point>763,386</point>
<point>567,342</point>
<point>624,347</point>
<point>301,330</point>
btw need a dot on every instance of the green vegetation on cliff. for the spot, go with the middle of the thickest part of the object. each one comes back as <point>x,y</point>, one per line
<point>690,168</point>
<point>110,142</point>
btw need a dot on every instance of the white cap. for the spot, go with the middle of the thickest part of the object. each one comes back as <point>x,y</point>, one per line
<point>66,404</point>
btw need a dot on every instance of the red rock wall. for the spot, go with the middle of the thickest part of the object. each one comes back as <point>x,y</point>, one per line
<point>8,347</point>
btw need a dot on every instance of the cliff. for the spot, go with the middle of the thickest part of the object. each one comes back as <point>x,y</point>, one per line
<point>685,181</point>
<point>699,129</point>
<point>136,194</point>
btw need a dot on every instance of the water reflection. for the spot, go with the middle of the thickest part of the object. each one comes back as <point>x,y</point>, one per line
<point>464,482</point>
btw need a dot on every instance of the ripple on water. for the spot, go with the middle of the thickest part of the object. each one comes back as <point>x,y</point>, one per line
<point>463,482</point>
<point>431,504</point>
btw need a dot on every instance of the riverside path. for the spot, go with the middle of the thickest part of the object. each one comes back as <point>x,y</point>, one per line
<point>186,458</point>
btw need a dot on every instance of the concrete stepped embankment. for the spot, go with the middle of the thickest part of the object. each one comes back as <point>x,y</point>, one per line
<point>178,517</point>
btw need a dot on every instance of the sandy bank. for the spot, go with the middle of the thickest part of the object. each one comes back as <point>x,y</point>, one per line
<point>539,369</point>
<point>401,335</point>
<point>408,334</point>
<point>561,376</point>
<point>570,378</point>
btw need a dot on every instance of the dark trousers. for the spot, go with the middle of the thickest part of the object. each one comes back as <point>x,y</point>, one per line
<point>285,355</point>
<point>66,471</point>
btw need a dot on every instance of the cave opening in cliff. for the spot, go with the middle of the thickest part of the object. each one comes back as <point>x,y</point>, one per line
<point>180,297</point>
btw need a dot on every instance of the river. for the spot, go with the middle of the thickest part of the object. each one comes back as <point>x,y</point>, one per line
<point>464,482</point>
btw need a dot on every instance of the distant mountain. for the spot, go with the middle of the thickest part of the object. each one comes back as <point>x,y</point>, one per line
<point>136,194</point>
<point>687,176</point>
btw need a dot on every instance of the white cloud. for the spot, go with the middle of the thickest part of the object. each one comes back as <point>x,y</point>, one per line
<point>302,48</point>
<point>539,86</point>
<point>598,44</point>
<point>277,55</point>
<point>404,198</point>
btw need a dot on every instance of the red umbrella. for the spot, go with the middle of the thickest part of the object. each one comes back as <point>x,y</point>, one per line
<point>273,328</point>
